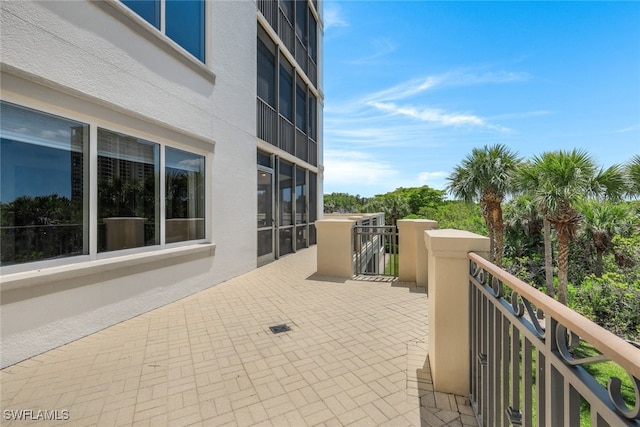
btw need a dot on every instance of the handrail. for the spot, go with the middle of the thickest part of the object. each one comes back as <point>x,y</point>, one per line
<point>610,345</point>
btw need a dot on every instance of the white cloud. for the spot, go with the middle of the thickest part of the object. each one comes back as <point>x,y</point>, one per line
<point>430,115</point>
<point>404,90</point>
<point>353,167</point>
<point>333,16</point>
<point>629,129</point>
<point>435,179</point>
<point>438,116</point>
<point>450,79</point>
<point>382,47</point>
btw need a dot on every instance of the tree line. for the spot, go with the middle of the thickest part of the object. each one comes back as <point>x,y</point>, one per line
<point>557,220</point>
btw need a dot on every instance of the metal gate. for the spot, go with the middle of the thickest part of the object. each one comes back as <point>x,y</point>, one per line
<point>375,250</point>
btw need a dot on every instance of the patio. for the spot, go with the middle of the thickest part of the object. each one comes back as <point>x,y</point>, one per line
<point>355,355</point>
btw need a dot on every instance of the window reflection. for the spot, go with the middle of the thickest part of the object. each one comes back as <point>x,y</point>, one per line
<point>43,193</point>
<point>184,174</point>
<point>301,196</point>
<point>286,183</point>
<point>128,189</point>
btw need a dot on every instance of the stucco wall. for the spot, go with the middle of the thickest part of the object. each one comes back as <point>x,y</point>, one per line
<point>90,62</point>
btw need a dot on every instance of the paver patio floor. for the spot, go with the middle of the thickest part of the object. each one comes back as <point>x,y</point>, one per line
<point>355,355</point>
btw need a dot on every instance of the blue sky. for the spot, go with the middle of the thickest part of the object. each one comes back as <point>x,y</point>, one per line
<point>412,86</point>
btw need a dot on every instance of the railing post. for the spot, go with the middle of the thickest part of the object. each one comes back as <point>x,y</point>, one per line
<point>449,306</point>
<point>412,251</point>
<point>335,247</point>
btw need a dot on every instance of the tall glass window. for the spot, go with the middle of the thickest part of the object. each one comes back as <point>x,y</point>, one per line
<point>313,206</point>
<point>313,195</point>
<point>313,38</point>
<point>286,93</point>
<point>313,117</point>
<point>286,188</point>
<point>287,8</point>
<point>266,74</point>
<point>128,192</point>
<point>301,196</point>
<point>185,200</point>
<point>43,186</point>
<point>301,21</point>
<point>301,108</point>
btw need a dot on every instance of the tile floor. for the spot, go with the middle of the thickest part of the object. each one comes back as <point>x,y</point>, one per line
<point>355,355</point>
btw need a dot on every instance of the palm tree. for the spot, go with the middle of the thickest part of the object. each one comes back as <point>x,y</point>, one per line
<point>558,181</point>
<point>486,176</point>
<point>523,225</point>
<point>632,172</point>
<point>602,221</point>
<point>394,206</point>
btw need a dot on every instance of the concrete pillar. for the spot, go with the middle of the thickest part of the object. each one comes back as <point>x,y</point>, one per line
<point>335,247</point>
<point>412,251</point>
<point>449,306</point>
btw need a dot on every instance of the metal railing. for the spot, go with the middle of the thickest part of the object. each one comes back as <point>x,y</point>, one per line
<point>375,250</point>
<point>287,140</point>
<point>285,31</point>
<point>302,145</point>
<point>313,72</point>
<point>269,9</point>
<point>266,122</point>
<point>532,359</point>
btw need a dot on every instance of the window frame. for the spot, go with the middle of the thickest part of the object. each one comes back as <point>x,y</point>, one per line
<point>78,263</point>
<point>162,24</point>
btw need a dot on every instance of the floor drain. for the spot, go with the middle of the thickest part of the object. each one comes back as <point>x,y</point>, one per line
<point>280,328</point>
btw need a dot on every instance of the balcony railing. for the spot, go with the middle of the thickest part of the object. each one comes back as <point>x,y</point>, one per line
<point>530,358</point>
<point>266,122</point>
<point>287,140</point>
<point>313,152</point>
<point>302,145</point>
<point>313,72</point>
<point>522,357</point>
<point>301,54</point>
<point>375,250</point>
<point>285,31</point>
<point>269,9</point>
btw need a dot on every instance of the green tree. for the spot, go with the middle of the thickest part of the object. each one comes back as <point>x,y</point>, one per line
<point>456,214</point>
<point>558,181</point>
<point>632,174</point>
<point>417,198</point>
<point>343,203</point>
<point>393,205</point>
<point>523,227</point>
<point>600,223</point>
<point>486,175</point>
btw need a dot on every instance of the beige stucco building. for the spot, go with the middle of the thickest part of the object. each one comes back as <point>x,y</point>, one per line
<point>134,137</point>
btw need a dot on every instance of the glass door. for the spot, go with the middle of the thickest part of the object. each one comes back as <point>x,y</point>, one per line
<point>266,221</point>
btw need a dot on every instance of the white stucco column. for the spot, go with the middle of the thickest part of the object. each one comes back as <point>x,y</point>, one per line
<point>335,247</point>
<point>412,251</point>
<point>449,306</point>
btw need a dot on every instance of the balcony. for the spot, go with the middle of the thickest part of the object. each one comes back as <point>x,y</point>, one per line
<point>355,354</point>
<point>520,356</point>
<point>408,352</point>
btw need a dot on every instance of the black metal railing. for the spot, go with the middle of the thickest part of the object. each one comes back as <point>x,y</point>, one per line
<point>287,140</point>
<point>267,128</point>
<point>269,9</point>
<point>532,359</point>
<point>375,250</point>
